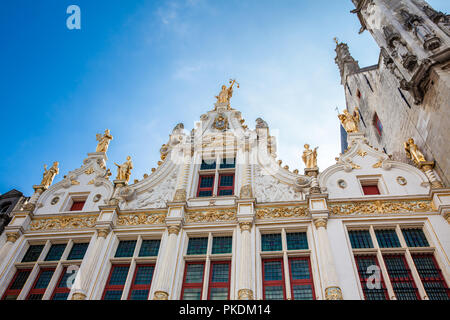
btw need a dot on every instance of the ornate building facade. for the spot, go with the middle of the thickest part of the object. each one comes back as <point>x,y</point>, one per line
<point>221,218</point>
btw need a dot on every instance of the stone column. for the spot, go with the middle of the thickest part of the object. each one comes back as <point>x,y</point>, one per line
<point>182,179</point>
<point>427,168</point>
<point>313,173</point>
<point>86,271</point>
<point>330,279</point>
<point>162,283</point>
<point>246,186</point>
<point>245,264</point>
<point>11,238</point>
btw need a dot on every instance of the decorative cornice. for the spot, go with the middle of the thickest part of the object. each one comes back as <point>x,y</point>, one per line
<point>63,222</point>
<point>140,218</point>
<point>380,207</point>
<point>281,212</point>
<point>211,215</point>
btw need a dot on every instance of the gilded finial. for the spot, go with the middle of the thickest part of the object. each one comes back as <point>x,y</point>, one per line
<point>336,40</point>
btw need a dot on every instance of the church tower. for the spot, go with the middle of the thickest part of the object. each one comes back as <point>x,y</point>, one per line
<point>407,93</point>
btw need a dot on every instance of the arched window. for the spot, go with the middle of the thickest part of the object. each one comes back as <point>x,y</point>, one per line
<point>5,207</point>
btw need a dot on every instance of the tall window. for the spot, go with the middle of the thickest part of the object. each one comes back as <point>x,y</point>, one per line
<point>290,246</point>
<point>377,124</point>
<point>387,249</point>
<point>207,254</point>
<point>51,261</point>
<point>216,177</point>
<point>132,269</point>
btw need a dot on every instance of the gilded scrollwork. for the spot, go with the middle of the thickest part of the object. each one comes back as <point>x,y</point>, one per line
<point>141,218</point>
<point>380,207</point>
<point>276,213</point>
<point>211,215</point>
<point>59,223</point>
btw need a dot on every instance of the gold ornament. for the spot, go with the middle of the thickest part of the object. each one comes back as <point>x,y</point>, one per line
<point>62,222</point>
<point>333,293</point>
<point>124,170</point>
<point>49,174</point>
<point>380,207</point>
<point>309,157</point>
<point>226,93</point>
<point>413,152</point>
<point>350,122</point>
<point>210,215</point>
<point>245,294</point>
<point>279,213</point>
<point>141,219</point>
<point>103,141</point>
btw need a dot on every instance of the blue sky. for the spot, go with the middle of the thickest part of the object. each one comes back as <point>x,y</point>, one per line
<point>140,67</point>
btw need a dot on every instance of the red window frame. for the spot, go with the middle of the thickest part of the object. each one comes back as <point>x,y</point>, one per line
<point>15,292</point>
<point>192,285</point>
<point>363,280</point>
<point>109,287</point>
<point>208,188</point>
<point>77,205</point>
<point>220,188</point>
<point>378,125</point>
<point>277,283</point>
<point>219,284</point>
<point>309,281</point>
<point>407,279</point>
<point>371,190</point>
<point>440,278</point>
<point>39,290</point>
<point>62,289</point>
<point>141,286</point>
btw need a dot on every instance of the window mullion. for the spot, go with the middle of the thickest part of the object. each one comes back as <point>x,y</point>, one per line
<point>129,280</point>
<point>29,283</point>
<point>287,275</point>
<point>386,277</point>
<point>53,282</point>
<point>415,275</point>
<point>207,270</point>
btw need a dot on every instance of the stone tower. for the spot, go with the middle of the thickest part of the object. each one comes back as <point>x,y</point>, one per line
<point>407,93</point>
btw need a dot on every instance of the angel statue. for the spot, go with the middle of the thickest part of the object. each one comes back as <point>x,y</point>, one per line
<point>226,93</point>
<point>49,174</point>
<point>309,157</point>
<point>124,170</point>
<point>350,122</point>
<point>413,152</point>
<point>103,141</point>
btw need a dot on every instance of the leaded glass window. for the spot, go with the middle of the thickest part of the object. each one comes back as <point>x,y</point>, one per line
<point>387,238</point>
<point>401,278</point>
<point>33,253</point>
<point>149,248</point>
<point>367,265</point>
<point>222,245</point>
<point>297,241</point>
<point>431,276</point>
<point>78,251</point>
<point>55,252</point>
<point>125,249</point>
<point>360,239</point>
<point>197,246</point>
<point>271,242</point>
<point>415,238</point>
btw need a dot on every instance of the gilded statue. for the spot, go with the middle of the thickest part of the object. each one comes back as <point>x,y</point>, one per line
<point>226,93</point>
<point>103,141</point>
<point>49,174</point>
<point>413,152</point>
<point>124,170</point>
<point>309,157</point>
<point>350,122</point>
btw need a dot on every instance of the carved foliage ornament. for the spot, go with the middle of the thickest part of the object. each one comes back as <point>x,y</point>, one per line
<point>277,213</point>
<point>141,218</point>
<point>58,223</point>
<point>381,207</point>
<point>211,215</point>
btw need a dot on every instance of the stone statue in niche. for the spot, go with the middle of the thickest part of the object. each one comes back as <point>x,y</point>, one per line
<point>390,65</point>
<point>441,19</point>
<point>49,174</point>
<point>399,48</point>
<point>423,32</point>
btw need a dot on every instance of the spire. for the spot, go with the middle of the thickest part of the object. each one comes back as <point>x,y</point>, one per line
<point>346,63</point>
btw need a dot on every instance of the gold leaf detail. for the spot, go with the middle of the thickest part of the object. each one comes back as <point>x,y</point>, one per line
<point>381,207</point>
<point>58,223</point>
<point>210,215</point>
<point>276,213</point>
<point>141,218</point>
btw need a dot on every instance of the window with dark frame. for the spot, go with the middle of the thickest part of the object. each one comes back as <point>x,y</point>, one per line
<point>197,246</point>
<point>364,264</point>
<point>360,239</point>
<point>149,248</point>
<point>297,241</point>
<point>222,245</point>
<point>401,278</point>
<point>273,279</point>
<point>193,281</point>
<point>62,291</point>
<point>16,284</point>
<point>431,277</point>
<point>300,274</point>
<point>40,284</point>
<point>226,184</point>
<point>219,280</point>
<point>116,282</point>
<point>387,238</point>
<point>142,280</point>
<point>78,251</point>
<point>415,237</point>
<point>55,252</point>
<point>205,186</point>
<point>208,164</point>
<point>125,249</point>
<point>33,253</point>
<point>271,242</point>
<point>77,205</point>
